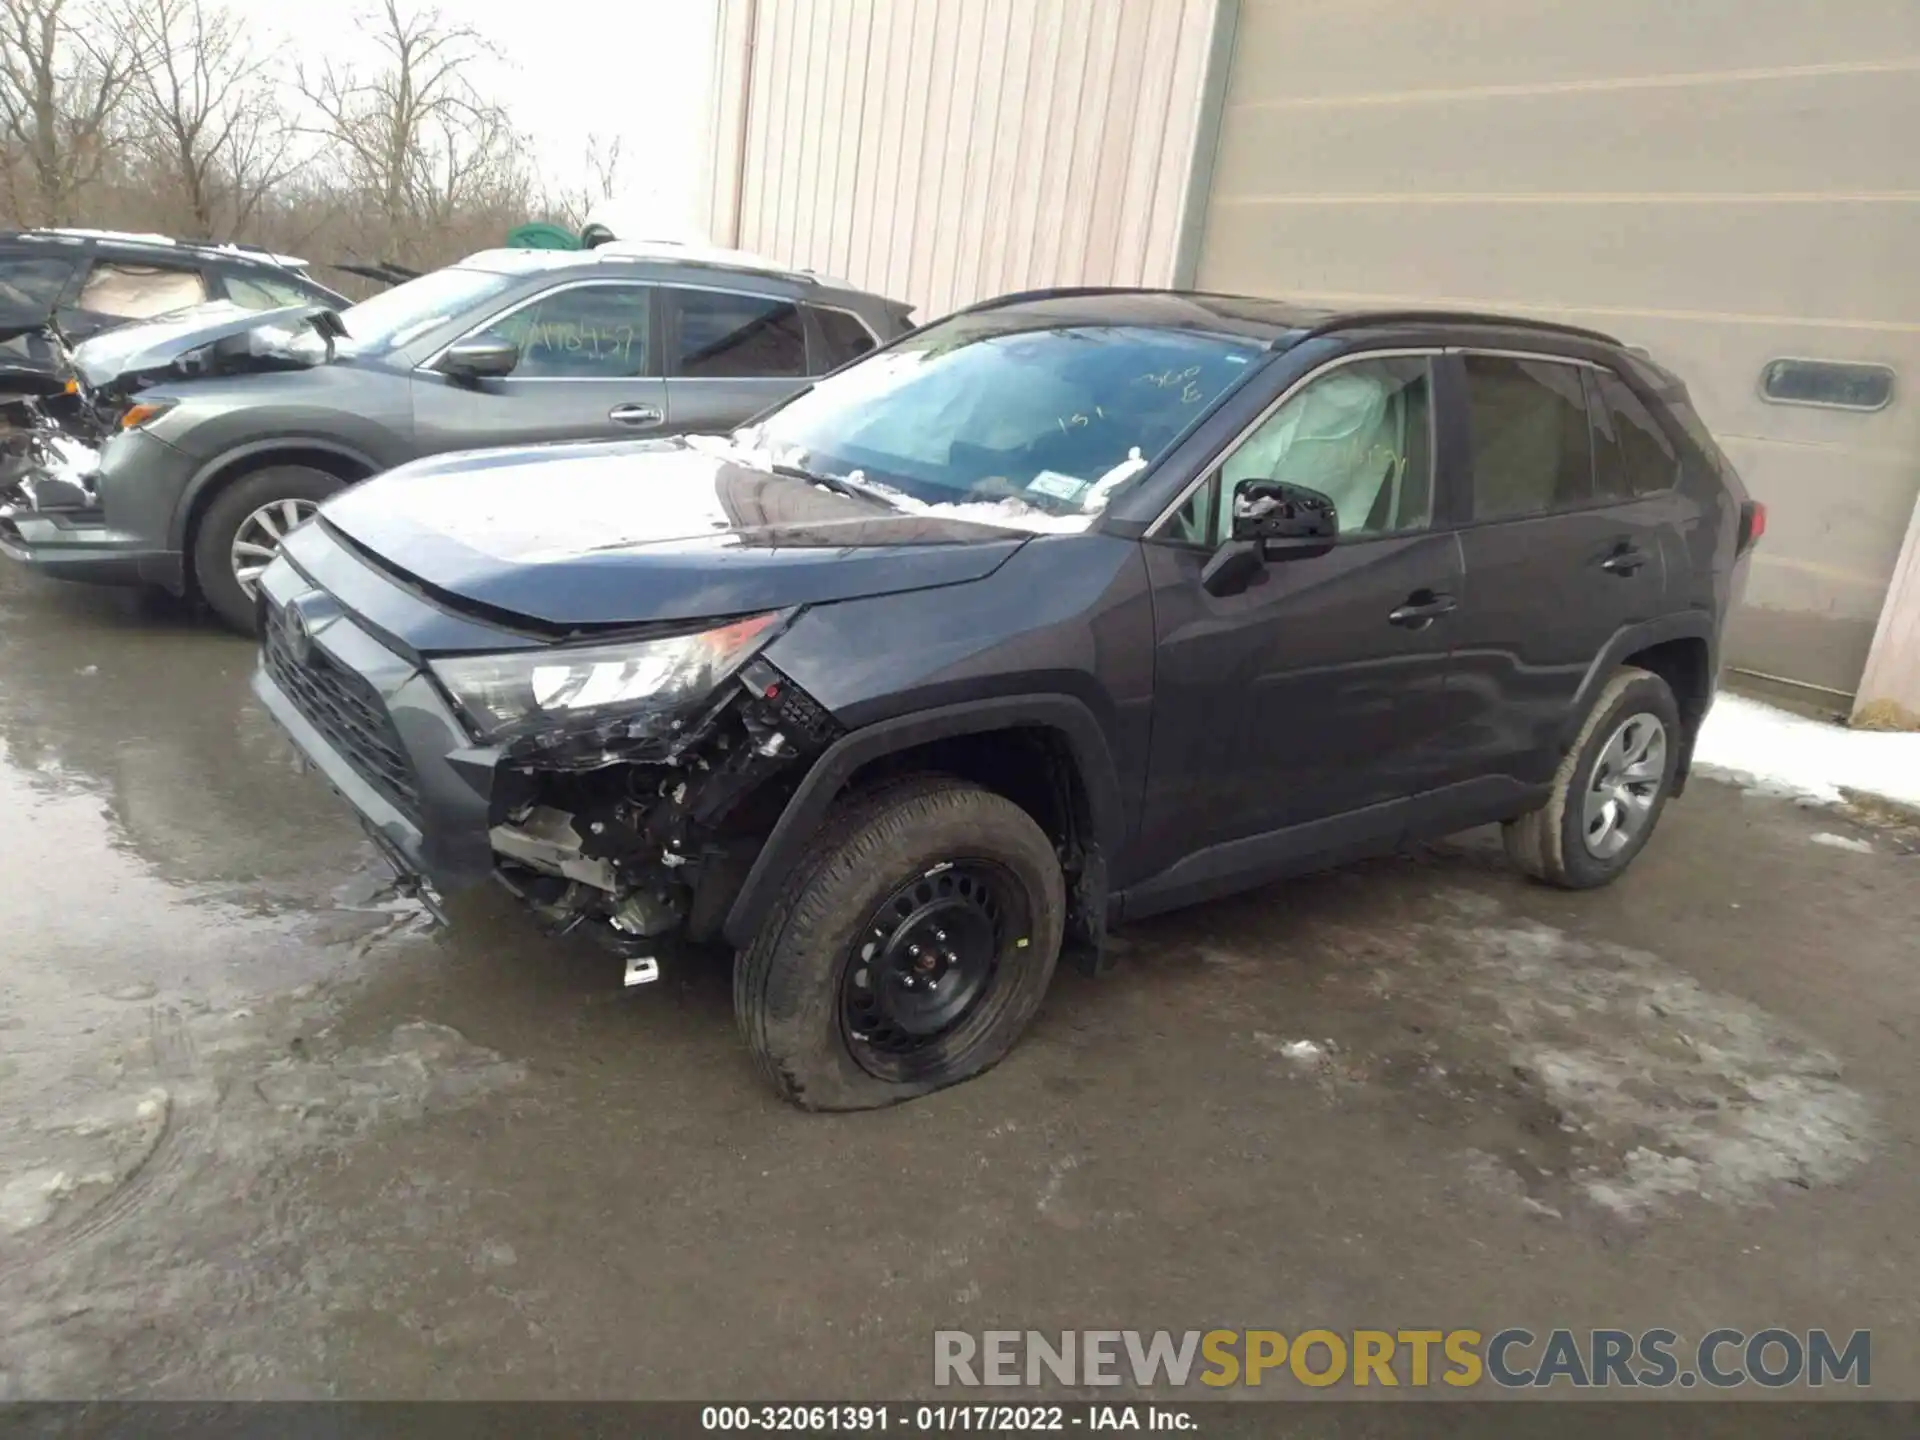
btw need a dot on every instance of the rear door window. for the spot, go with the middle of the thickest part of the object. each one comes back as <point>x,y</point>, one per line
<point>32,282</point>
<point>721,335</point>
<point>1632,455</point>
<point>140,292</point>
<point>842,338</point>
<point>262,292</point>
<point>1531,451</point>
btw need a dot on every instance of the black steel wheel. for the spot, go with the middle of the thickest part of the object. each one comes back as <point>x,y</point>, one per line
<point>925,964</point>
<point>910,950</point>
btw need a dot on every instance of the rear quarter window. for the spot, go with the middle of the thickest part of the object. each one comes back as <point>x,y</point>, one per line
<point>266,292</point>
<point>842,338</point>
<point>1673,405</point>
<point>1632,454</point>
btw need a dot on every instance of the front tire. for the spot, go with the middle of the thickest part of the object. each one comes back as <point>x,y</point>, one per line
<point>908,952</point>
<point>1610,790</point>
<point>241,532</point>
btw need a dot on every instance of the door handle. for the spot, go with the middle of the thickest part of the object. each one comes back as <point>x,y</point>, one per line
<point>637,416</point>
<point>1624,560</point>
<point>1423,607</point>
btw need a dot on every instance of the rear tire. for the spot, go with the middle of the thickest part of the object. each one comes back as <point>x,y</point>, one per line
<point>1610,790</point>
<point>297,488</point>
<point>825,996</point>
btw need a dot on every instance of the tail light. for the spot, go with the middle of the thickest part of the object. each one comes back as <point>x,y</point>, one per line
<point>1753,524</point>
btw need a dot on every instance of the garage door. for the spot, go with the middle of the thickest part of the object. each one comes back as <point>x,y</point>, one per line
<point>1729,183</point>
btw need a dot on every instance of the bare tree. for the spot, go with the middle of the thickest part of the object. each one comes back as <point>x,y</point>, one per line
<point>207,111</point>
<point>574,205</point>
<point>66,66</point>
<point>414,134</point>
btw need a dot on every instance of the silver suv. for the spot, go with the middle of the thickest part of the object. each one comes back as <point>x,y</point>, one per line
<point>233,427</point>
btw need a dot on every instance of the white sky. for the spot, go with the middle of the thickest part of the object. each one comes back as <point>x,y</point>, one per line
<point>635,69</point>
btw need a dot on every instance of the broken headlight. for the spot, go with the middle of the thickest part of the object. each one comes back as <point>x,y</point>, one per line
<point>513,694</point>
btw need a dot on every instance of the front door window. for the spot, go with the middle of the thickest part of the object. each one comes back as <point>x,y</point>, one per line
<point>1361,434</point>
<point>582,332</point>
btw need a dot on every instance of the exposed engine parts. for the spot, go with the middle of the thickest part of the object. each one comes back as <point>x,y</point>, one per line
<point>645,837</point>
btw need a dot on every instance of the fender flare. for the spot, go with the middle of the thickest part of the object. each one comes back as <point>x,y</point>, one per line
<point>209,473</point>
<point>1688,625</point>
<point>805,812</point>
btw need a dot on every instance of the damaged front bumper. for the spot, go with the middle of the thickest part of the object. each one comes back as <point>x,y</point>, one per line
<point>57,521</point>
<point>378,730</point>
<point>79,544</point>
<point>44,470</point>
<point>644,847</point>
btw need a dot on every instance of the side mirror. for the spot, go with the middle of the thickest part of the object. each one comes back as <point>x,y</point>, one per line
<point>1271,521</point>
<point>1287,522</point>
<point>480,360</point>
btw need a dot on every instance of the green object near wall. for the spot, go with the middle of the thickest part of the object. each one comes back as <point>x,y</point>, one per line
<point>541,236</point>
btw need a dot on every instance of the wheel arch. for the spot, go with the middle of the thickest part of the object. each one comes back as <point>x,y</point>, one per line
<point>1046,753</point>
<point>1680,649</point>
<point>343,461</point>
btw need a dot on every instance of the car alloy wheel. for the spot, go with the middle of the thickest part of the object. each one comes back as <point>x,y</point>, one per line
<point>1625,782</point>
<point>258,539</point>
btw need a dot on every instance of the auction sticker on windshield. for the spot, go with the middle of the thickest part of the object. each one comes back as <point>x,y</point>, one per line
<point>1056,485</point>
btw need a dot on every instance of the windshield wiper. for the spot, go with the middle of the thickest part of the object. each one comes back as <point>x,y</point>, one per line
<point>840,483</point>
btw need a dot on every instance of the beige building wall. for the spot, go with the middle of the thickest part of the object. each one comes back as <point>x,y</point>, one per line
<point>942,151</point>
<point>1722,181</point>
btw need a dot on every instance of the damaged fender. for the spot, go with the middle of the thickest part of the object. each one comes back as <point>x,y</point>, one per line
<point>823,783</point>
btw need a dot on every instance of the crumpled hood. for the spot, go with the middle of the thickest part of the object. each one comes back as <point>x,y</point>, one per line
<point>285,337</point>
<point>627,532</point>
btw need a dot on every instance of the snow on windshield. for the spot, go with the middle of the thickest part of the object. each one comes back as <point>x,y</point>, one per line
<point>1008,512</point>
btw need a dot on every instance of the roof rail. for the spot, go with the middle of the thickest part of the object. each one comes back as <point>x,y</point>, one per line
<point>73,234</point>
<point>706,256</point>
<point>1056,292</point>
<point>1346,319</point>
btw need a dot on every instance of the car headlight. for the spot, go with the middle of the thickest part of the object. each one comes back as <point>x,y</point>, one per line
<point>564,687</point>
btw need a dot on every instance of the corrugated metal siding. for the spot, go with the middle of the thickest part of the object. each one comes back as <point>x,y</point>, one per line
<point>942,151</point>
<point>1724,182</point>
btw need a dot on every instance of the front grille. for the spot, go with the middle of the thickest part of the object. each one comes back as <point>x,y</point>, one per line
<point>347,710</point>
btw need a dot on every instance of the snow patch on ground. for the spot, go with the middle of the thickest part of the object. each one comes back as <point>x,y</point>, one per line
<point>1694,1092</point>
<point>1773,752</point>
<point>1307,1054</point>
<point>30,1199</point>
<point>420,1069</point>
<point>1843,842</point>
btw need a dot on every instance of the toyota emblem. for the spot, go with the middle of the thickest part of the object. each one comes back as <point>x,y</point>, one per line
<point>303,616</point>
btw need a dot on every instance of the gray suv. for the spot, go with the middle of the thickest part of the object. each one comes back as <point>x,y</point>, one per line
<point>234,427</point>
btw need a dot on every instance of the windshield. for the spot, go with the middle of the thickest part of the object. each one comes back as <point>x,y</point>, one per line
<point>406,312</point>
<point>1033,427</point>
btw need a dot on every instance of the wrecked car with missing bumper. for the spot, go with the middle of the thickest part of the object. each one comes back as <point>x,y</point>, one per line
<point>54,517</point>
<point>1069,608</point>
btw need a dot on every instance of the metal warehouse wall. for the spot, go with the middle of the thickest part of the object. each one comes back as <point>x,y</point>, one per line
<point>1723,181</point>
<point>942,151</point>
